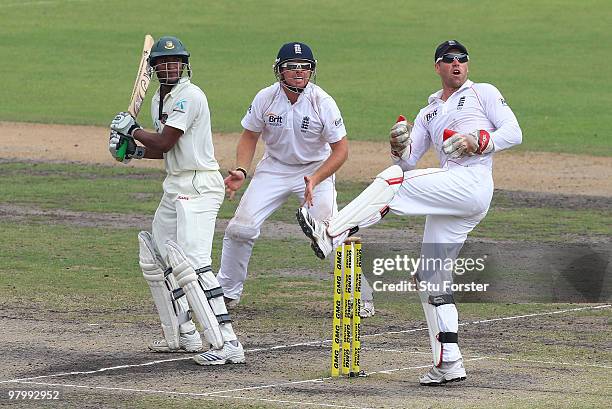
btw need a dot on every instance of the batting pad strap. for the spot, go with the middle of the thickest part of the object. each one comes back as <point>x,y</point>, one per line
<point>177,293</point>
<point>224,318</point>
<point>448,337</point>
<point>214,293</point>
<point>441,299</point>
<point>168,272</point>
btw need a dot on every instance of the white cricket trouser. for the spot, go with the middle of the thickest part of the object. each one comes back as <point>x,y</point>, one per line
<point>455,200</point>
<point>271,186</point>
<point>187,214</point>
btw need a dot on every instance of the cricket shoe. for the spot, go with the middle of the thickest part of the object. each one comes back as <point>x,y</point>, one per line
<point>231,303</point>
<point>229,354</point>
<point>367,309</point>
<point>187,343</point>
<point>447,372</point>
<point>316,231</point>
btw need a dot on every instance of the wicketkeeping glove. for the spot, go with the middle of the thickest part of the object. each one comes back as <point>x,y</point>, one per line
<point>399,138</point>
<point>132,150</point>
<point>477,142</point>
<point>125,124</point>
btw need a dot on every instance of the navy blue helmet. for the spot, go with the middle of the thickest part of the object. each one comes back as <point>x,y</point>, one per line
<point>294,52</point>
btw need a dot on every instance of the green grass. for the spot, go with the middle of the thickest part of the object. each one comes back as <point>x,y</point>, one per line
<point>546,224</point>
<point>70,266</point>
<point>137,191</point>
<point>69,65</point>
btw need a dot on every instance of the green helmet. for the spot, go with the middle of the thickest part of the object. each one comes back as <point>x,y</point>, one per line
<point>168,46</point>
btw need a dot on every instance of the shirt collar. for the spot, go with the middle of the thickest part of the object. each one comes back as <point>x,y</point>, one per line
<point>438,94</point>
<point>183,82</point>
<point>309,87</point>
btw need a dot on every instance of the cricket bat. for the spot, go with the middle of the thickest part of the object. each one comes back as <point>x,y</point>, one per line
<point>141,84</point>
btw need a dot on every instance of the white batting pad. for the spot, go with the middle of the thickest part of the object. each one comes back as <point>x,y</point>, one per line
<point>188,280</point>
<point>153,272</point>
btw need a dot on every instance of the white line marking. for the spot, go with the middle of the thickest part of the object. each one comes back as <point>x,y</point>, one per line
<point>98,370</point>
<point>538,314</point>
<point>272,385</point>
<point>207,395</point>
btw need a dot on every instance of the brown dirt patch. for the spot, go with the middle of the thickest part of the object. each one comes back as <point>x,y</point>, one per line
<point>525,171</point>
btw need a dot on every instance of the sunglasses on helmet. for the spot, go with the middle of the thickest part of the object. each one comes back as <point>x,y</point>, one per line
<point>295,66</point>
<point>450,57</point>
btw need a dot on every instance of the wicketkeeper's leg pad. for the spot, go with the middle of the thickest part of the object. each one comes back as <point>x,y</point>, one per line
<point>442,322</point>
<point>201,309</point>
<point>371,204</point>
<point>164,289</point>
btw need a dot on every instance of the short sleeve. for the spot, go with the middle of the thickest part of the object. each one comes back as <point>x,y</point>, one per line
<point>253,118</point>
<point>333,124</point>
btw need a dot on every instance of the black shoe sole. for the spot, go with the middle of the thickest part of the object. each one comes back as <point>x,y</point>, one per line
<point>444,381</point>
<point>308,232</point>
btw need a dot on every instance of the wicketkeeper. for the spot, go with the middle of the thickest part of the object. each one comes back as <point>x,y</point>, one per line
<point>465,123</point>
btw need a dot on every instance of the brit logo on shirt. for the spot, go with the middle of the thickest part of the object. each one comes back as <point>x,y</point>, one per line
<point>461,102</point>
<point>305,123</point>
<point>274,120</point>
<point>431,115</point>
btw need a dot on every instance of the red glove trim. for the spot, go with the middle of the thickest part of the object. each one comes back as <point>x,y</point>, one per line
<point>483,141</point>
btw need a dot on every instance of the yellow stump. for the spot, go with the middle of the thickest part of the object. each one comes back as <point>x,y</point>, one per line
<point>356,344</point>
<point>347,309</point>
<point>346,328</point>
<point>337,313</point>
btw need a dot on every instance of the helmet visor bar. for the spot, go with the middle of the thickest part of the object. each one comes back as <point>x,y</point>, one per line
<point>297,66</point>
<point>170,73</point>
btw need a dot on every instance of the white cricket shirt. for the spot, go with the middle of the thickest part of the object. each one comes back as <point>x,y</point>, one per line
<point>186,108</point>
<point>473,106</point>
<point>299,133</point>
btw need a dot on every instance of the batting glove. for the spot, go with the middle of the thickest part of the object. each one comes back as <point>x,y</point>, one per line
<point>125,124</point>
<point>115,143</point>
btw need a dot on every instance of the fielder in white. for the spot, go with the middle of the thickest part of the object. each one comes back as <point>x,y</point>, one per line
<point>465,122</point>
<point>305,144</point>
<point>176,258</point>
